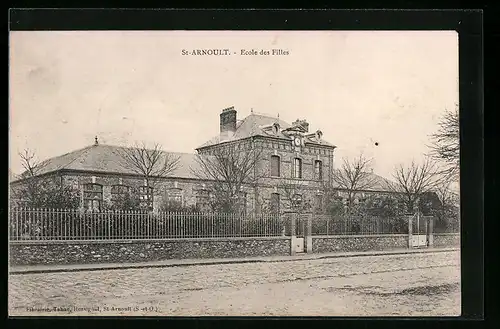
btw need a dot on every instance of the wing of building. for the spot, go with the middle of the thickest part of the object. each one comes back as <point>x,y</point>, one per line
<point>291,157</point>
<point>12,176</point>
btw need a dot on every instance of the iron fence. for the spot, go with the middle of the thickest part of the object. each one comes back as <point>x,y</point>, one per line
<point>358,225</point>
<point>446,227</point>
<point>57,224</point>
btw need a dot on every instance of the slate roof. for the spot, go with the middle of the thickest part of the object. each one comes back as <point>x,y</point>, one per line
<point>107,158</point>
<point>379,183</point>
<point>253,125</point>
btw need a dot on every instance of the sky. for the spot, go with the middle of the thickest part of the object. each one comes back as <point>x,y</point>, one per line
<point>358,87</point>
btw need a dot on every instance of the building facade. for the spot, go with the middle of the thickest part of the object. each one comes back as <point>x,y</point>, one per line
<point>294,163</point>
<point>293,168</point>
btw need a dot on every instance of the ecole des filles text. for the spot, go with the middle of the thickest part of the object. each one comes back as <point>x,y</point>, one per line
<point>228,52</point>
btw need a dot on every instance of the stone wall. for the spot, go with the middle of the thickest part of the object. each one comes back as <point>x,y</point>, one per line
<point>87,252</point>
<point>446,240</point>
<point>345,243</point>
<point>287,152</point>
<point>307,186</point>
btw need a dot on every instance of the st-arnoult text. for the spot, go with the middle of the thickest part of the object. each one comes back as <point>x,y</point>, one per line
<point>205,52</point>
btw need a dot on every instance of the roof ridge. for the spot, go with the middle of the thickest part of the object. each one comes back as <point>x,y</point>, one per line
<point>130,147</point>
<point>85,150</point>
<point>63,155</point>
<point>262,114</point>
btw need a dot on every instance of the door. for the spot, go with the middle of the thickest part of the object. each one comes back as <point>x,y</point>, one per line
<point>300,228</point>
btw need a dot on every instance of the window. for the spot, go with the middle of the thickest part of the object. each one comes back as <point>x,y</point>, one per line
<point>203,200</point>
<point>275,203</point>
<point>275,166</point>
<point>173,199</point>
<point>319,203</point>
<point>146,196</point>
<point>297,168</point>
<point>119,192</point>
<point>296,200</point>
<point>318,170</point>
<point>362,198</point>
<point>92,196</point>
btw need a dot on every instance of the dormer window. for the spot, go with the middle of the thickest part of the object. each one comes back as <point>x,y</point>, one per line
<point>319,134</point>
<point>276,128</point>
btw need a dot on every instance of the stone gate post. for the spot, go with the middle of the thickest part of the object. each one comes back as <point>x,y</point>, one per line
<point>308,234</point>
<point>430,239</point>
<point>410,231</point>
<point>293,234</point>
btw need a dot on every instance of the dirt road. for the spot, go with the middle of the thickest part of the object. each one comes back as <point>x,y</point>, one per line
<point>402,285</point>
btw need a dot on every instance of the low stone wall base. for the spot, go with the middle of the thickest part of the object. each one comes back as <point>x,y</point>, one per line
<point>446,240</point>
<point>346,243</point>
<point>88,252</point>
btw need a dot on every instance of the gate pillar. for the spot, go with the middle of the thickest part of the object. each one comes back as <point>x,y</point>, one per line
<point>430,238</point>
<point>308,234</point>
<point>410,231</point>
<point>293,234</point>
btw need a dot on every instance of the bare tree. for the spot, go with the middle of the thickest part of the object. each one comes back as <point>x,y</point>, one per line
<point>35,190</point>
<point>229,168</point>
<point>354,176</point>
<point>30,163</point>
<point>445,144</point>
<point>29,192</point>
<point>294,196</point>
<point>333,204</point>
<point>152,163</point>
<point>449,207</point>
<point>411,182</point>
<point>445,193</point>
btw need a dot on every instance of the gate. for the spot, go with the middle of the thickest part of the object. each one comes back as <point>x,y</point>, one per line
<point>295,228</point>
<point>298,226</point>
<point>420,230</point>
<point>300,233</point>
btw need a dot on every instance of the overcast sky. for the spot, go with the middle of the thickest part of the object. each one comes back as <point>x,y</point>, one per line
<point>357,87</point>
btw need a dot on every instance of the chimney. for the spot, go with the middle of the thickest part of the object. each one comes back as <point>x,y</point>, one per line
<point>228,122</point>
<point>302,123</point>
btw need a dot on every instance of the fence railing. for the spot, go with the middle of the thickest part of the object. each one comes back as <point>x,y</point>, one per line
<point>50,224</point>
<point>358,225</point>
<point>443,228</point>
<point>55,224</point>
